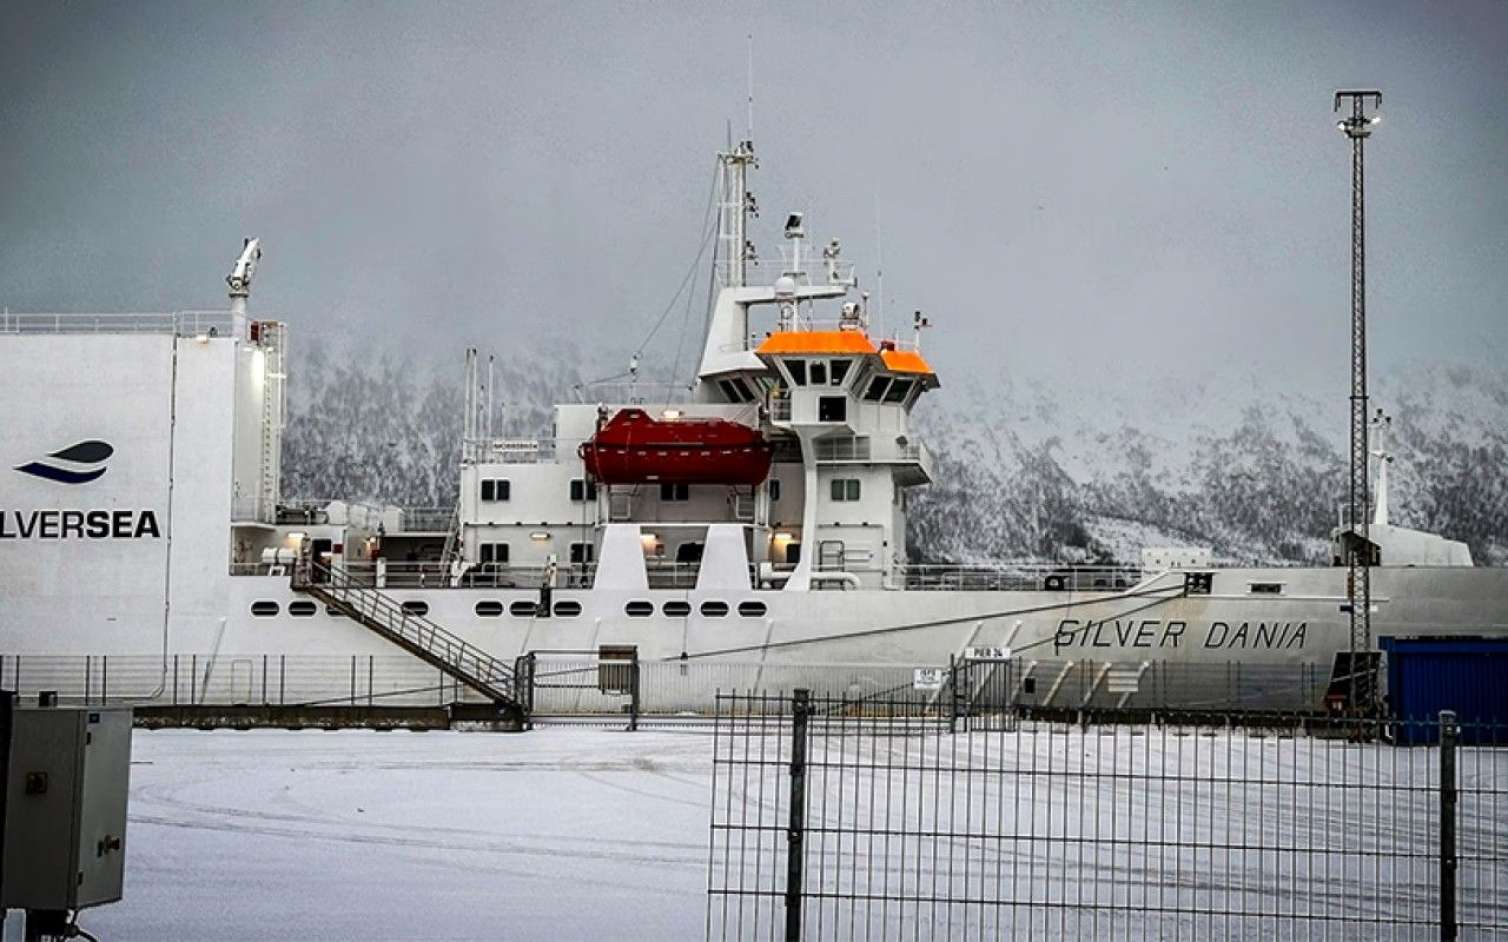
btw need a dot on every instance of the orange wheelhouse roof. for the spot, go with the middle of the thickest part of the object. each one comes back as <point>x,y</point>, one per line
<point>816,342</point>
<point>905,361</point>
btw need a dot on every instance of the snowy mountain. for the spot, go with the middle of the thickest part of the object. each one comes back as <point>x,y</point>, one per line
<point>1025,467</point>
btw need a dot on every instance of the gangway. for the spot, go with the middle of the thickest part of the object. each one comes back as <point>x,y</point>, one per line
<point>430,643</point>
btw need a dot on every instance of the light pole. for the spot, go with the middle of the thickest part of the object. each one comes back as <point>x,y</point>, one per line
<point>1358,125</point>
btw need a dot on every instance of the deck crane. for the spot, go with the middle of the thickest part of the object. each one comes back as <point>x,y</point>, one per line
<point>240,276</point>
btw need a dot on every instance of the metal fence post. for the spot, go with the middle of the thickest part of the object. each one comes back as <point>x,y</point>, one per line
<point>633,694</point>
<point>952,693</point>
<point>1449,734</point>
<point>801,708</point>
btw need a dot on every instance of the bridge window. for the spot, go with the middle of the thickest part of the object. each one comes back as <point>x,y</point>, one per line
<point>493,553</point>
<point>416,607</point>
<point>675,492</point>
<point>302,609</point>
<point>567,608</point>
<point>496,489</point>
<point>838,370</point>
<point>798,371</point>
<point>898,390</point>
<point>817,373</point>
<point>583,490</point>
<point>523,608</point>
<point>488,608</point>
<point>677,608</point>
<point>639,609</point>
<point>752,609</point>
<point>845,489</point>
<point>735,390</point>
<point>876,390</point>
<point>264,609</point>
<point>714,609</point>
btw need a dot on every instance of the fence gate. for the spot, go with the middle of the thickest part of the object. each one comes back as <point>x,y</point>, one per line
<point>586,686</point>
<point>985,687</point>
<point>835,819</point>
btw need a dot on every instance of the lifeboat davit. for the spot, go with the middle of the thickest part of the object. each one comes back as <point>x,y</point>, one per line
<point>632,448</point>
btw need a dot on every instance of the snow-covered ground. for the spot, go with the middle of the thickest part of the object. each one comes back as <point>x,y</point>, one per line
<point>554,834</point>
<point>576,833</point>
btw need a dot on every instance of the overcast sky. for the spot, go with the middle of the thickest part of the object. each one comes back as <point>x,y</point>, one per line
<point>1100,190</point>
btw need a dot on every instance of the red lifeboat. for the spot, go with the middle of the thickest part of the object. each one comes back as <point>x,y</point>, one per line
<point>632,448</point>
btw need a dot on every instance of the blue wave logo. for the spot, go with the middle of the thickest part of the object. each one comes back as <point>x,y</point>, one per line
<point>76,464</point>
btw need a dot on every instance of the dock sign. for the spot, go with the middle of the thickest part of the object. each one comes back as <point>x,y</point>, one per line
<point>986,654</point>
<point>928,678</point>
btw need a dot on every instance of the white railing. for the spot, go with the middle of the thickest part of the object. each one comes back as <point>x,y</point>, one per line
<point>251,509</point>
<point>182,323</point>
<point>869,448</point>
<point>427,519</point>
<point>1024,577</point>
<point>330,511</point>
<point>645,393</point>
<point>764,271</point>
<point>435,575</point>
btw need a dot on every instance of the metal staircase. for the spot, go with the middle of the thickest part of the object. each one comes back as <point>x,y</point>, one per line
<point>376,610</point>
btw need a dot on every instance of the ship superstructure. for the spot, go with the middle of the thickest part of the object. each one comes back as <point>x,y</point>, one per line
<point>754,516</point>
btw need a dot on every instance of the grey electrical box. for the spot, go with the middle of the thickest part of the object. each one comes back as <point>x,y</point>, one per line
<point>65,807</point>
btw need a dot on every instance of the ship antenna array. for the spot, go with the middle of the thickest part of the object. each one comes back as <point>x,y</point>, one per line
<point>1359,119</point>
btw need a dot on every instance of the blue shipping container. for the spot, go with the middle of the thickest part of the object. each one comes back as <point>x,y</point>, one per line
<point>1467,675</point>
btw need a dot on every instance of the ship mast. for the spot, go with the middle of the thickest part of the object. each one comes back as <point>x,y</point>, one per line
<point>734,207</point>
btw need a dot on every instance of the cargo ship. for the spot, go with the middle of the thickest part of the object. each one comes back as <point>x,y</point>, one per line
<point>755,519</point>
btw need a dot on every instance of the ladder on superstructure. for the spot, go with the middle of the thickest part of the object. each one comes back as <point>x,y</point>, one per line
<point>430,643</point>
<point>271,340</point>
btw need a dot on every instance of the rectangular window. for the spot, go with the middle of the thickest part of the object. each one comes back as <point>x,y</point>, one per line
<point>817,373</point>
<point>838,370</point>
<point>493,553</point>
<point>1267,588</point>
<point>832,408</point>
<point>495,489</point>
<point>845,489</point>
<point>898,390</point>
<point>798,371</point>
<point>581,553</point>
<point>774,489</point>
<point>675,492</point>
<point>876,389</point>
<point>583,490</point>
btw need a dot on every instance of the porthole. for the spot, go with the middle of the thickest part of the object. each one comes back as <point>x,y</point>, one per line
<point>639,609</point>
<point>567,609</point>
<point>714,609</point>
<point>416,607</point>
<point>752,609</point>
<point>302,609</point>
<point>523,608</point>
<point>488,608</point>
<point>677,608</point>
<point>264,609</point>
